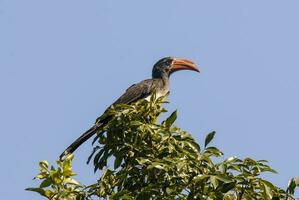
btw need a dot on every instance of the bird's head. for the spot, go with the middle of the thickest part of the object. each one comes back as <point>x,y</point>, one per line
<point>166,66</point>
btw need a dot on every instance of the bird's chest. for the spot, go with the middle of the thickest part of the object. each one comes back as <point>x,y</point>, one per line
<point>159,93</point>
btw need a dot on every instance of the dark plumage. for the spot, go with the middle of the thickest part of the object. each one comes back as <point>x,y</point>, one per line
<point>159,83</point>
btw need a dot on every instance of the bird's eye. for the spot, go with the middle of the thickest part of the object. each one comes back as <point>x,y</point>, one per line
<point>167,62</point>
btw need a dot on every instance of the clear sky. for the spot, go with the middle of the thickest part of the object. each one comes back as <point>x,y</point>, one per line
<point>63,62</point>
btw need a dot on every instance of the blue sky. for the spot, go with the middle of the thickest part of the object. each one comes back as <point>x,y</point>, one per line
<point>63,62</point>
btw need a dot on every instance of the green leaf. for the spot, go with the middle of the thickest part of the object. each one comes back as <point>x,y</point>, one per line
<point>269,169</point>
<point>117,161</point>
<point>38,190</point>
<point>71,181</point>
<point>66,166</point>
<point>100,133</point>
<point>296,180</point>
<point>171,119</point>
<point>209,138</point>
<point>136,123</point>
<point>169,190</point>
<point>156,165</point>
<point>223,178</point>
<point>98,156</point>
<point>213,151</point>
<point>227,187</point>
<point>47,182</point>
<point>268,187</point>
<point>42,175</point>
<point>92,153</point>
<point>214,181</point>
<point>200,177</point>
<point>293,183</point>
<point>231,159</point>
<point>43,165</point>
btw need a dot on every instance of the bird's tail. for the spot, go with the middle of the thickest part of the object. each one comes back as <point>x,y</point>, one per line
<point>85,136</point>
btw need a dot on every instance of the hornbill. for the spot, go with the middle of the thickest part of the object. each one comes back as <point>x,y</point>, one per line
<point>159,83</point>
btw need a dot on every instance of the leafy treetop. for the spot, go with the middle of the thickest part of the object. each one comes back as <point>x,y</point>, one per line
<point>158,161</point>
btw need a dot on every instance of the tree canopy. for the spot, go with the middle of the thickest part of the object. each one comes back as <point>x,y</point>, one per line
<point>140,158</point>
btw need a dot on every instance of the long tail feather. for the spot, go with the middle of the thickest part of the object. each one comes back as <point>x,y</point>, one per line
<point>85,136</point>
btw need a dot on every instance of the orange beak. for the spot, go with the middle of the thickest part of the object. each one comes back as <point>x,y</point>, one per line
<point>182,64</point>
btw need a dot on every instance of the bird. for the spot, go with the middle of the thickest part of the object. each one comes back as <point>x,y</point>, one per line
<point>158,84</point>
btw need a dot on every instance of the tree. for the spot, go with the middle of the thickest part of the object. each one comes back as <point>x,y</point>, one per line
<point>158,161</point>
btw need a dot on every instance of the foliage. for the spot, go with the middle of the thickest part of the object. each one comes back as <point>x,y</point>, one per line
<point>159,161</point>
<point>57,184</point>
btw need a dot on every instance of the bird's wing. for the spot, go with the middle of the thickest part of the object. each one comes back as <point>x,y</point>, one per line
<point>136,92</point>
<point>132,94</point>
